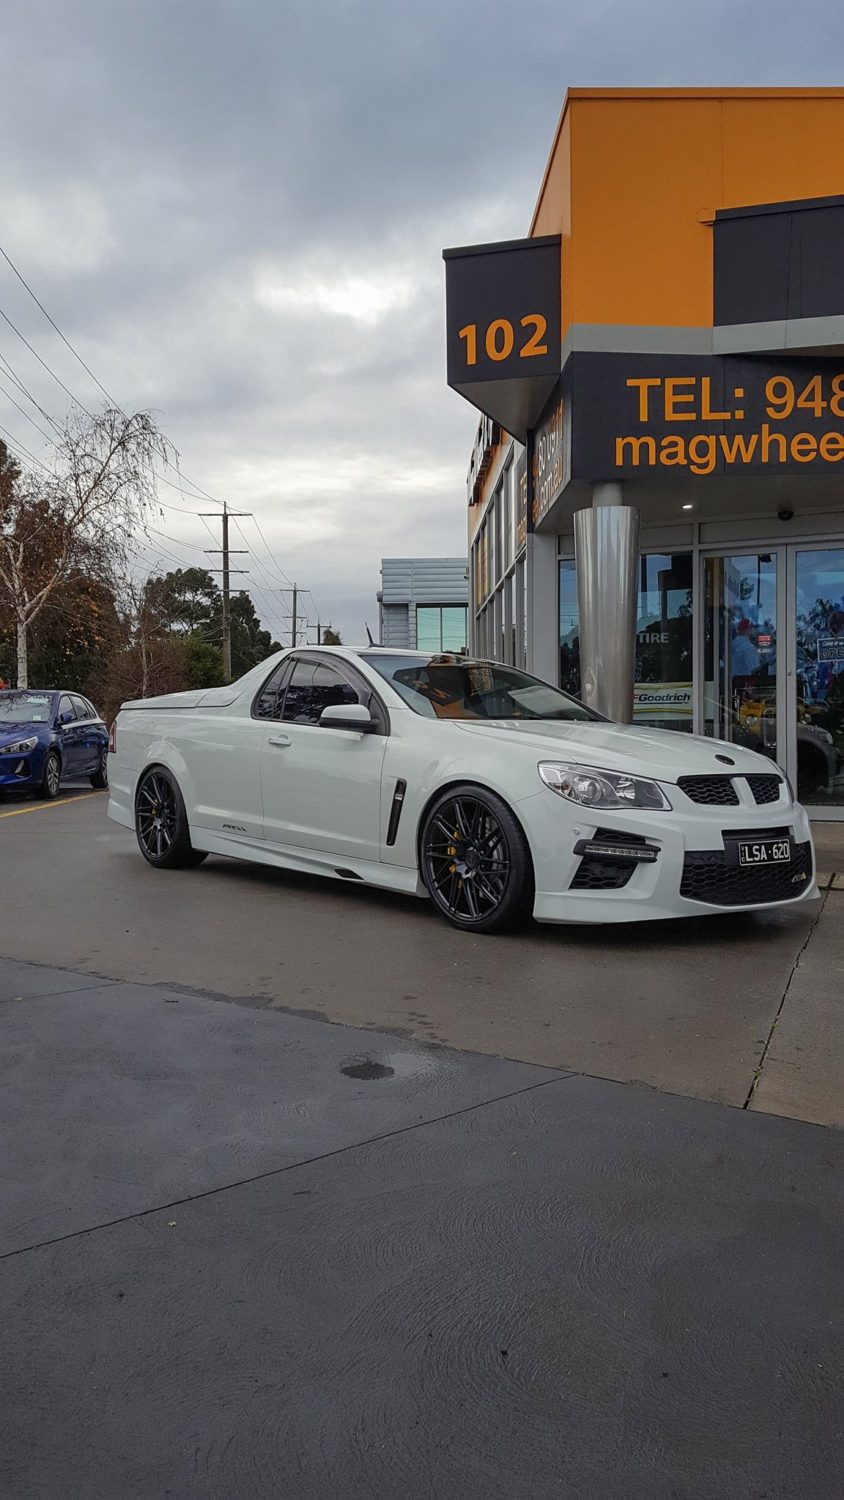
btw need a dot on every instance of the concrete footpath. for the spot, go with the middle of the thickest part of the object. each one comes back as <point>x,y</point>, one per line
<point>248,1254</point>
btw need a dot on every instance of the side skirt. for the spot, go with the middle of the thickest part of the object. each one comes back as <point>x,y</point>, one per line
<point>311,862</point>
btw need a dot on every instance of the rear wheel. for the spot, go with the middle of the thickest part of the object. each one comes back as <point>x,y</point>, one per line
<point>475,861</point>
<point>161,823</point>
<point>99,778</point>
<point>51,776</point>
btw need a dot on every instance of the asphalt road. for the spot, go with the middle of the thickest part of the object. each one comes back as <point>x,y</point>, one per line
<point>246,1255</point>
<point>742,1010</point>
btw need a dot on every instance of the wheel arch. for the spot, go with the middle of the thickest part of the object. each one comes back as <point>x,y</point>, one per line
<point>156,764</point>
<point>482,786</point>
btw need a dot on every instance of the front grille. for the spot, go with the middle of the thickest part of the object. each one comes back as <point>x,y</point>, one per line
<point>602,874</point>
<point>707,876</point>
<point>765,788</point>
<point>714,791</point>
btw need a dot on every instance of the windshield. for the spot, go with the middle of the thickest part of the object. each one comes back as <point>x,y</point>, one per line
<point>453,687</point>
<point>26,708</point>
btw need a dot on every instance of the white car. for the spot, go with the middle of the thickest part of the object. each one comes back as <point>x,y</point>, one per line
<point>466,781</point>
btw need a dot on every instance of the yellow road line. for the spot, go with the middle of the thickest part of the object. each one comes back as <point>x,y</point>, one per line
<point>18,812</point>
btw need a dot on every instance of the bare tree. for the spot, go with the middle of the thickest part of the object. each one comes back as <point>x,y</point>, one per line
<point>78,518</point>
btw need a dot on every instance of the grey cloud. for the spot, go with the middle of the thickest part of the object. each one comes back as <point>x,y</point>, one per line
<point>207,195</point>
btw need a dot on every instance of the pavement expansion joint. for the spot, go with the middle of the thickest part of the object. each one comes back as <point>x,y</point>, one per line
<point>760,1067</point>
<point>309,1161</point>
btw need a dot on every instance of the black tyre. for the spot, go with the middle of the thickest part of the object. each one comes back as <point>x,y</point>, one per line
<point>812,771</point>
<point>99,779</point>
<point>475,861</point>
<point>161,823</point>
<point>51,776</point>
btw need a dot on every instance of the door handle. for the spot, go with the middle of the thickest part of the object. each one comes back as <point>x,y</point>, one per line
<point>280,740</point>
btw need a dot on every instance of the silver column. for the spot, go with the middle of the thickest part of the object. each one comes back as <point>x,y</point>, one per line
<point>606,545</point>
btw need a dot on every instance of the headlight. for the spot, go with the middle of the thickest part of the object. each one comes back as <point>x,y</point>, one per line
<point>596,788</point>
<point>22,747</point>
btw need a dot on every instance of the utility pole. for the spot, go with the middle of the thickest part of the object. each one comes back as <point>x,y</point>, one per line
<point>293,626</point>
<point>227,571</point>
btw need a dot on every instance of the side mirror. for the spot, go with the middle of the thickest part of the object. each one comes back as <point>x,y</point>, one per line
<point>353,716</point>
<point>66,717</point>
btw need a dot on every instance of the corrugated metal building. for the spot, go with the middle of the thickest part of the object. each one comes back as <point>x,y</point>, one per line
<point>423,603</point>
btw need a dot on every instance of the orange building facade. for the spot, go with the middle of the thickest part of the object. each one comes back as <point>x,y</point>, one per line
<point>656,489</point>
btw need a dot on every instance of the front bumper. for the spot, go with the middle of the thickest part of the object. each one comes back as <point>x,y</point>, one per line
<point>22,770</point>
<point>693,874</point>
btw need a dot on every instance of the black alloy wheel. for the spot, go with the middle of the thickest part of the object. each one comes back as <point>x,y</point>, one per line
<point>161,822</point>
<point>475,861</point>
<point>51,777</point>
<point>99,778</point>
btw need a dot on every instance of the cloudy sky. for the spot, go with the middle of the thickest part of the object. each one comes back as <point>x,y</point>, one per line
<point>235,210</point>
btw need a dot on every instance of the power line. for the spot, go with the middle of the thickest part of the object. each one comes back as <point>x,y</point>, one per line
<point>42,362</point>
<point>18,448</point>
<point>267,591</point>
<point>260,532</point>
<point>25,414</point>
<point>177,541</point>
<point>10,262</point>
<point>183,479</point>
<point>24,390</point>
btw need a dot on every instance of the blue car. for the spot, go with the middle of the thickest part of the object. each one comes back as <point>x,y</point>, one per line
<point>47,737</point>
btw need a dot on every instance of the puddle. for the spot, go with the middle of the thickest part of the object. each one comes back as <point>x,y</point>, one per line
<point>367,1070</point>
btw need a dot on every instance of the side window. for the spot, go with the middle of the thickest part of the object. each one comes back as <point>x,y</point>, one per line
<point>312,688</point>
<point>81,708</point>
<point>298,695</point>
<point>268,702</point>
<point>330,688</point>
<point>66,707</point>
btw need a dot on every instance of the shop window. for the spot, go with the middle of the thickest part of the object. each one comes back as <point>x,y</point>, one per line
<point>569,630</point>
<point>481,552</point>
<point>663,689</point>
<point>663,693</point>
<point>441,627</point>
<point>509,517</point>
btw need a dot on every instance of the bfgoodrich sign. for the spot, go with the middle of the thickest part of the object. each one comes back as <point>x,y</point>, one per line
<point>667,416</point>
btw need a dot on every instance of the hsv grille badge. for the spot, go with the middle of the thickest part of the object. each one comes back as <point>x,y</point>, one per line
<point>725,760</point>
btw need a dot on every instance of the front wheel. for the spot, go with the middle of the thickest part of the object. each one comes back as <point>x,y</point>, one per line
<point>476,862</point>
<point>161,822</point>
<point>51,777</point>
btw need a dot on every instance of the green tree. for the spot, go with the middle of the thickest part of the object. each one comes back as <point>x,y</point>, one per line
<point>191,602</point>
<point>203,663</point>
<point>331,637</point>
<point>251,644</point>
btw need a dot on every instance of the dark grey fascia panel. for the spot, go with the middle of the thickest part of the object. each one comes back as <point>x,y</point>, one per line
<point>777,263</point>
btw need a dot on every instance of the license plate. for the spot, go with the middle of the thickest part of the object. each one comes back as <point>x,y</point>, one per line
<point>765,852</point>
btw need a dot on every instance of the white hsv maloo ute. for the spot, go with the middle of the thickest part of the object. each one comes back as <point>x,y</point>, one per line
<point>470,782</point>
